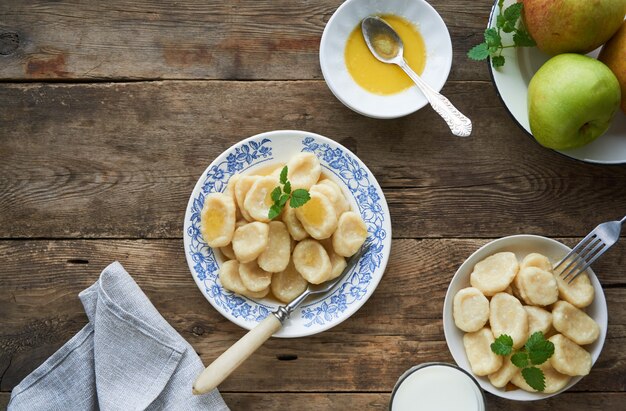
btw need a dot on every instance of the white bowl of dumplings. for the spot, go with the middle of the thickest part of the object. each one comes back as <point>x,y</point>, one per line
<point>508,287</point>
<point>247,264</point>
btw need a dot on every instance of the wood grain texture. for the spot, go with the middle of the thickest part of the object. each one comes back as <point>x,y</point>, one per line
<point>243,401</point>
<point>120,160</point>
<point>398,327</point>
<point>152,39</point>
<point>380,401</point>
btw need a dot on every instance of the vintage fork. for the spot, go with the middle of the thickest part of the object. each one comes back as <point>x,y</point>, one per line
<point>590,248</point>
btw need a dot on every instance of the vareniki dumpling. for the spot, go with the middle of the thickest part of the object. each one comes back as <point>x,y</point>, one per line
<point>242,186</point>
<point>288,284</point>
<point>350,234</point>
<point>250,240</point>
<point>318,216</point>
<point>217,220</point>
<point>312,261</point>
<point>303,170</point>
<point>276,255</point>
<point>259,199</point>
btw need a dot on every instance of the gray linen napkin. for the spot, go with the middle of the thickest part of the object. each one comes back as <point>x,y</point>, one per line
<point>126,358</point>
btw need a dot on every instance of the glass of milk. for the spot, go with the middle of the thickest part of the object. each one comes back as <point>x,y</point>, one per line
<point>437,386</point>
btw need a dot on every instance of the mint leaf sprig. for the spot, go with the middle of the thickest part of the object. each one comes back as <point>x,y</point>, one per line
<point>283,193</point>
<point>536,351</point>
<point>507,22</point>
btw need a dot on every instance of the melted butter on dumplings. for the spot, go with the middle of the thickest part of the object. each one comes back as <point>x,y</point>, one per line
<point>279,255</point>
<point>217,220</point>
<point>318,216</point>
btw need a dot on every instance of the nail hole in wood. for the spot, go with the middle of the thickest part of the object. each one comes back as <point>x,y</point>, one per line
<point>286,357</point>
<point>9,42</point>
<point>77,261</point>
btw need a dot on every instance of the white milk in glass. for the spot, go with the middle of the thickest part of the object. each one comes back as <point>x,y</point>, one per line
<point>436,387</point>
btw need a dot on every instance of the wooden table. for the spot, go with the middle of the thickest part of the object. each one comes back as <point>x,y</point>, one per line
<point>109,112</point>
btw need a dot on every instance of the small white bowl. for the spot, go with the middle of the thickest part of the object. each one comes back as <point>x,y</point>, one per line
<point>520,245</point>
<point>332,47</point>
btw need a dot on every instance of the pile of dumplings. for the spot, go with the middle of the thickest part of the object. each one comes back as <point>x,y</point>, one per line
<point>308,244</point>
<point>507,297</point>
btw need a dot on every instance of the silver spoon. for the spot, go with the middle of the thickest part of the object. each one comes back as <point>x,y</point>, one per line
<point>387,46</point>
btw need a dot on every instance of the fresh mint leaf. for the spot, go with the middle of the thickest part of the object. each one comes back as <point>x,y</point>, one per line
<point>479,52</point>
<point>521,38</point>
<point>539,349</point>
<point>299,197</point>
<point>507,21</point>
<point>513,12</point>
<point>500,21</point>
<point>520,359</point>
<point>283,175</point>
<point>507,26</point>
<point>492,38</point>
<point>280,196</point>
<point>497,61</point>
<point>283,200</point>
<point>503,345</point>
<point>276,192</point>
<point>534,339</point>
<point>535,378</point>
<point>274,211</point>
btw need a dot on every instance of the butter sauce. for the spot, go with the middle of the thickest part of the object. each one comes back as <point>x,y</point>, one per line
<point>378,77</point>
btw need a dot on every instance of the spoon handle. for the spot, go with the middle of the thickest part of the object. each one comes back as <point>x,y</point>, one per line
<point>459,124</point>
<point>232,358</point>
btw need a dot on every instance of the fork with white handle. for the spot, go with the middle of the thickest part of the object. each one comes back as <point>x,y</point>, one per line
<point>590,248</point>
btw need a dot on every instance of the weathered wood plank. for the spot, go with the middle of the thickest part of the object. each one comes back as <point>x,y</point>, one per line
<point>398,327</point>
<point>120,160</point>
<point>380,401</point>
<point>149,39</point>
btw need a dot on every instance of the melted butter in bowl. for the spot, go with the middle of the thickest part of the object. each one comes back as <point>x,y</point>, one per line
<point>373,88</point>
<point>374,75</point>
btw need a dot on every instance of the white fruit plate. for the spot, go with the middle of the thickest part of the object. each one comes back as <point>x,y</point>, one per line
<point>360,188</point>
<point>520,245</point>
<point>511,81</point>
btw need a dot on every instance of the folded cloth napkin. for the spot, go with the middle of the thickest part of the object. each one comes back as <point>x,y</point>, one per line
<point>126,358</point>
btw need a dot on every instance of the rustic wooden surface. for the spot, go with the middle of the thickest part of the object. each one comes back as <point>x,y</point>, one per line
<point>109,111</point>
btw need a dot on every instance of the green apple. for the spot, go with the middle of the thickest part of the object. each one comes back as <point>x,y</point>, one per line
<point>571,101</point>
<point>572,26</point>
<point>613,54</point>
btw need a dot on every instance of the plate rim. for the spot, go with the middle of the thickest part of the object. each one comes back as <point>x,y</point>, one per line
<point>486,385</point>
<point>385,252</point>
<point>528,134</point>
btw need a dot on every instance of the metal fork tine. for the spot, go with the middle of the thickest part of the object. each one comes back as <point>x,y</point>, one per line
<point>575,249</point>
<point>585,256</point>
<point>580,254</point>
<point>582,270</point>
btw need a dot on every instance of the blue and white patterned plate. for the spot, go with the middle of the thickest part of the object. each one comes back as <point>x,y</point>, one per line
<point>359,186</point>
